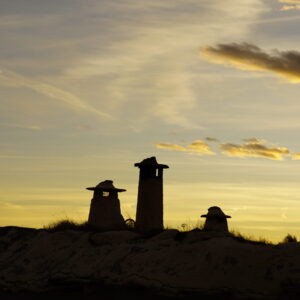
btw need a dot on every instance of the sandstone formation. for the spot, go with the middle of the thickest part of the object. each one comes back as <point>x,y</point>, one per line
<point>216,220</point>
<point>149,213</point>
<point>105,212</point>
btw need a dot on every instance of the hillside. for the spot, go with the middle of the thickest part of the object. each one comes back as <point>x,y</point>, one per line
<point>169,264</point>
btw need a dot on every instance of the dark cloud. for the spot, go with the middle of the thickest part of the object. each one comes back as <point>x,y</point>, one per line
<point>251,57</point>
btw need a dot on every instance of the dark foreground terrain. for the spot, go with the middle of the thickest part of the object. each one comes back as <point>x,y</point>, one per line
<point>38,264</point>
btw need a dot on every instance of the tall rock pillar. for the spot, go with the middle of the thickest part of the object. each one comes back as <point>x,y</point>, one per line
<point>149,213</point>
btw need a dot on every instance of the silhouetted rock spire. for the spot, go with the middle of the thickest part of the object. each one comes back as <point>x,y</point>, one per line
<point>149,213</point>
<point>216,220</point>
<point>105,212</point>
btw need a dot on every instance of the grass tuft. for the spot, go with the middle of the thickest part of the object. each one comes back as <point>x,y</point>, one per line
<point>67,225</point>
<point>289,239</point>
<point>249,239</point>
<point>189,226</point>
<point>184,229</point>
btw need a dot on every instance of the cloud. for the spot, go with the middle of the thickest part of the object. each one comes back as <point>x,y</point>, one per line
<point>211,139</point>
<point>84,126</point>
<point>292,4</point>
<point>12,79</point>
<point>290,1</point>
<point>170,146</point>
<point>23,126</point>
<point>290,7</point>
<point>197,146</point>
<point>254,141</point>
<point>296,156</point>
<point>247,56</point>
<point>137,64</point>
<point>141,66</point>
<point>200,147</point>
<point>254,148</point>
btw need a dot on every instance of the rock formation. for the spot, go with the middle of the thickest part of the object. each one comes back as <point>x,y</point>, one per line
<point>149,213</point>
<point>105,212</point>
<point>216,220</point>
<point>171,263</point>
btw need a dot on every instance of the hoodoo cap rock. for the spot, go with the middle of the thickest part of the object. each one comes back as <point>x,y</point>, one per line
<point>151,162</point>
<point>105,186</point>
<point>215,212</point>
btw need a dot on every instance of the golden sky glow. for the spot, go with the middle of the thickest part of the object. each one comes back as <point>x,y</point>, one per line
<point>88,88</point>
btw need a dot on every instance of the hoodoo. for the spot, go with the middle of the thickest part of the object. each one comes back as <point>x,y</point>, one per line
<point>216,220</point>
<point>149,213</point>
<point>105,212</point>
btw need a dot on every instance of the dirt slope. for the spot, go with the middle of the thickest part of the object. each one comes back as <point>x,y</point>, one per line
<point>170,263</point>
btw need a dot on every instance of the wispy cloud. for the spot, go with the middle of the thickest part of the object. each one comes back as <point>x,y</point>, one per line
<point>13,79</point>
<point>23,126</point>
<point>211,139</point>
<point>170,146</point>
<point>247,56</point>
<point>197,146</point>
<point>292,4</point>
<point>290,1</point>
<point>144,70</point>
<point>296,156</point>
<point>254,141</point>
<point>254,148</point>
<point>290,7</point>
<point>137,64</point>
<point>251,147</point>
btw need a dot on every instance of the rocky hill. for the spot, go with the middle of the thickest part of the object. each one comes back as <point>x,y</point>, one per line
<point>170,264</point>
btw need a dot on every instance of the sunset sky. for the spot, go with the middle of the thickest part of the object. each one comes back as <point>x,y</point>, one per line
<point>211,88</point>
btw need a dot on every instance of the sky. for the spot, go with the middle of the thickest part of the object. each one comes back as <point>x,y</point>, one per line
<point>210,88</point>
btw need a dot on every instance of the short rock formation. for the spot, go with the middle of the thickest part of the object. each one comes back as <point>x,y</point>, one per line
<point>105,212</point>
<point>216,220</point>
